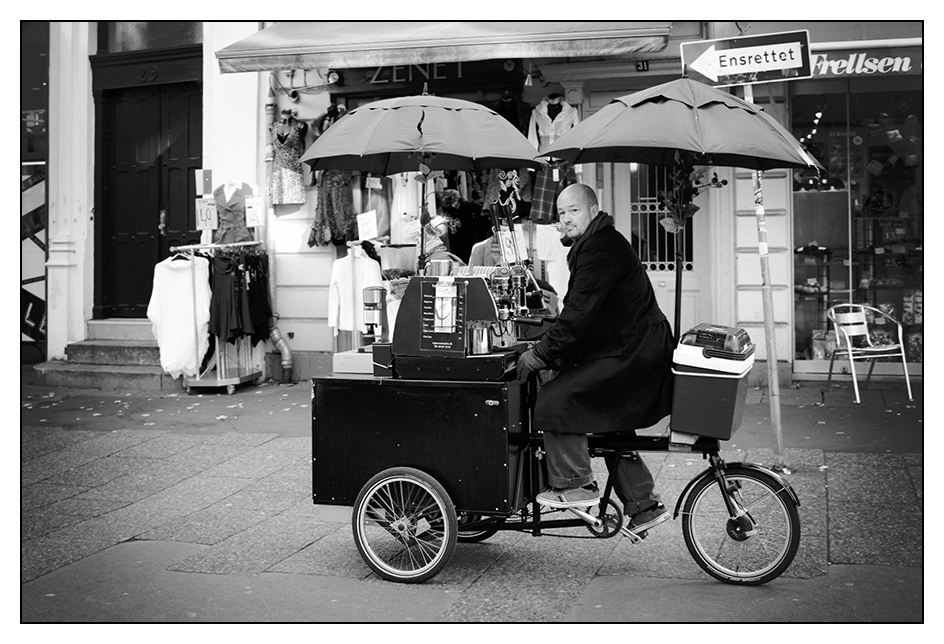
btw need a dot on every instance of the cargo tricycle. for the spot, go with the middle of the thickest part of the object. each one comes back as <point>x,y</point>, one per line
<point>433,448</point>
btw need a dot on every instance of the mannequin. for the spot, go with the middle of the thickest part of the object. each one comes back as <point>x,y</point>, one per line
<point>550,119</point>
<point>288,142</point>
<point>230,200</point>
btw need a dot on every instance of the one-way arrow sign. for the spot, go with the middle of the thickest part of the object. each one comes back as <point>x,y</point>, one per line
<point>748,59</point>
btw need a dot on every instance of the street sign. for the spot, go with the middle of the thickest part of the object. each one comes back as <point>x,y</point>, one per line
<point>744,60</point>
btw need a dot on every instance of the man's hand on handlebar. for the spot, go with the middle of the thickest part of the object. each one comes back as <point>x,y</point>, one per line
<point>528,362</point>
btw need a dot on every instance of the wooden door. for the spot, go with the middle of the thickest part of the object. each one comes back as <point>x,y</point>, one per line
<point>151,143</point>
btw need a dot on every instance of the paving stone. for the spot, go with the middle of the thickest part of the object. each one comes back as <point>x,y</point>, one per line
<point>163,446</point>
<point>331,554</point>
<point>36,441</point>
<point>87,507</point>
<point>45,554</point>
<point>206,454</point>
<point>240,438</point>
<point>208,526</point>
<point>197,492</point>
<point>40,494</point>
<point>863,533</point>
<point>250,498</point>
<point>43,521</point>
<point>256,549</point>
<point>294,477</point>
<point>554,577</point>
<point>99,471</point>
<point>260,461</point>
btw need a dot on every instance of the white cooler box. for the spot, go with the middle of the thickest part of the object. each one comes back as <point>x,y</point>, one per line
<point>711,364</point>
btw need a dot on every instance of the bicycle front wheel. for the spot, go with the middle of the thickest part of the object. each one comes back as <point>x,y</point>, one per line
<point>751,548</point>
<point>404,525</point>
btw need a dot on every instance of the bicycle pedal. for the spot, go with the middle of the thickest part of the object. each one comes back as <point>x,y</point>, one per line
<point>634,537</point>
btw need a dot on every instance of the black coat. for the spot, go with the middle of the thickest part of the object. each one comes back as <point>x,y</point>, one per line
<point>611,342</point>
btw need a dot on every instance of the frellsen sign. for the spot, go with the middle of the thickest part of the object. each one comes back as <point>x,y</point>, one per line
<point>749,59</point>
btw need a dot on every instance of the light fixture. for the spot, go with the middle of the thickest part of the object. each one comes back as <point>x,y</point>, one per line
<point>527,79</point>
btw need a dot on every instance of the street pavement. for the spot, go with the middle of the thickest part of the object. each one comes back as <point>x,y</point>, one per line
<point>197,507</point>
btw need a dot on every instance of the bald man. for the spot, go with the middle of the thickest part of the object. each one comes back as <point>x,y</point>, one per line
<point>612,347</point>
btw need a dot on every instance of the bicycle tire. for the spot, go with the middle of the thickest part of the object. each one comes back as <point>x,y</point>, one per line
<point>723,547</point>
<point>404,525</point>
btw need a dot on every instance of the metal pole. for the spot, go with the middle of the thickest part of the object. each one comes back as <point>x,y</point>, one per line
<point>773,376</point>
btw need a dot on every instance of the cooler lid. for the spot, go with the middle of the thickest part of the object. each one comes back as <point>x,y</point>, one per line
<point>719,341</point>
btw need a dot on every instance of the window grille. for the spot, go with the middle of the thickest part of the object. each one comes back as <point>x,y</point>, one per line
<point>653,243</point>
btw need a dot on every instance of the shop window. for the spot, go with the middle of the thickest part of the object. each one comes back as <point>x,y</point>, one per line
<point>137,36</point>
<point>858,229</point>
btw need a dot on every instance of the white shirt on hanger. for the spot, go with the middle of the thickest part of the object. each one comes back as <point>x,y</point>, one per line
<point>179,316</point>
<point>350,275</point>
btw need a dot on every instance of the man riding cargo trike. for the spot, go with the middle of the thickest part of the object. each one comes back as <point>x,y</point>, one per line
<point>451,439</point>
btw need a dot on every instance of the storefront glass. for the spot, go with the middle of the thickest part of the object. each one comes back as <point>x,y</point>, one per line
<point>858,229</point>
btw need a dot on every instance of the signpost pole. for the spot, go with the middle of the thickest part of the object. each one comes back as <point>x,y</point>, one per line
<point>773,375</point>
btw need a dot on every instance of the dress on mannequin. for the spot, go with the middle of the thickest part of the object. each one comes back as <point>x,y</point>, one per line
<point>288,142</point>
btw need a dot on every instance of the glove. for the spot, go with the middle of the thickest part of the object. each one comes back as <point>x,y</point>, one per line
<point>528,362</point>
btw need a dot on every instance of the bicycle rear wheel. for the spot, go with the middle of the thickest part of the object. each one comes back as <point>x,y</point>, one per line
<point>404,525</point>
<point>752,548</point>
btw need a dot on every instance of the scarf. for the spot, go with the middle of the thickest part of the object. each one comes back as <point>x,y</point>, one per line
<point>602,220</point>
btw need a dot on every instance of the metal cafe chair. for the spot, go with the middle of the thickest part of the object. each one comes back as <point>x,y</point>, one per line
<point>853,340</point>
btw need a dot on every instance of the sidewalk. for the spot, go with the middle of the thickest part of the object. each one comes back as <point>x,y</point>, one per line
<point>194,508</point>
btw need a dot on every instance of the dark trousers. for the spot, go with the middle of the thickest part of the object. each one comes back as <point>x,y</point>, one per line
<point>568,466</point>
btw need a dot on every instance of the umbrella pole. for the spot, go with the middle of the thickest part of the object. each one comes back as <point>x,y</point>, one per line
<point>421,260</point>
<point>679,256</point>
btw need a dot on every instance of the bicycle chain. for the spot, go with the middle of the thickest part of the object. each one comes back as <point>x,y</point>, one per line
<point>568,536</point>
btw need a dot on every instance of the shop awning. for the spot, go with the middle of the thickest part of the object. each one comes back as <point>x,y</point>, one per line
<point>345,45</point>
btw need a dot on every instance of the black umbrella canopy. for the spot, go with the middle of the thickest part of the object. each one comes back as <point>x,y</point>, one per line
<point>398,134</point>
<point>683,115</point>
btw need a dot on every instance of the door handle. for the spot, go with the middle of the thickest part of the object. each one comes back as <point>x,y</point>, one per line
<point>162,225</point>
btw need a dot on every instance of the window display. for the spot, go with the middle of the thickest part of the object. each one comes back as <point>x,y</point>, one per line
<point>858,229</point>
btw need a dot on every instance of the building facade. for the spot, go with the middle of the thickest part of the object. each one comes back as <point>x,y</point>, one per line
<point>135,109</point>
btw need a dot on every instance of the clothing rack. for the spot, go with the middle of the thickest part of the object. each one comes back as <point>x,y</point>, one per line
<point>224,377</point>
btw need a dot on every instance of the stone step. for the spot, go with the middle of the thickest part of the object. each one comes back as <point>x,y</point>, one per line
<point>120,329</point>
<point>107,377</point>
<point>115,352</point>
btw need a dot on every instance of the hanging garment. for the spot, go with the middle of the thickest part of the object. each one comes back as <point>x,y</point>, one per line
<point>546,189</point>
<point>334,213</point>
<point>546,127</point>
<point>350,275</point>
<point>231,207</point>
<point>179,314</point>
<point>288,183</point>
<point>226,305</point>
<point>257,287</point>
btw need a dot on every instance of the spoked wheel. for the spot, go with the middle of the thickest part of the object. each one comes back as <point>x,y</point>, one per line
<point>481,533</point>
<point>756,546</point>
<point>404,525</point>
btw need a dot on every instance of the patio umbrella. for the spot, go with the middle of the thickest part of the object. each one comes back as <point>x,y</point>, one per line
<point>397,134</point>
<point>426,134</point>
<point>686,123</point>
